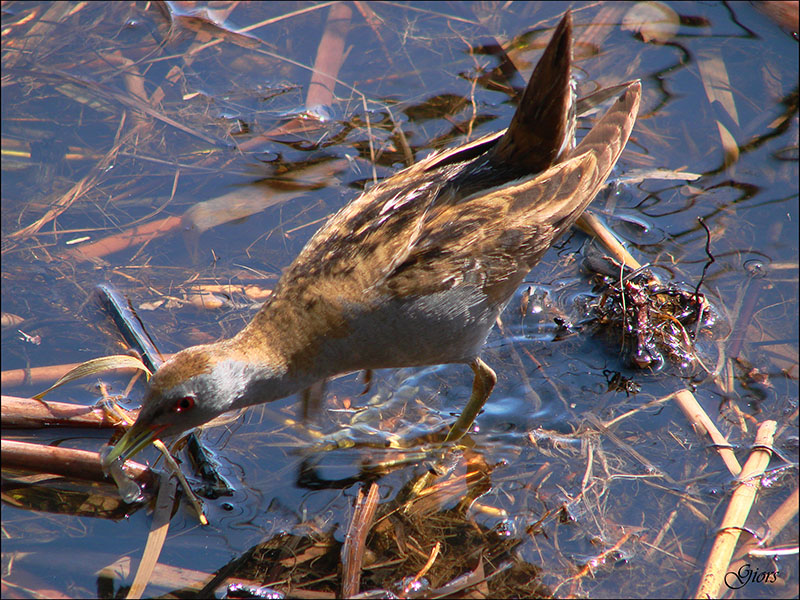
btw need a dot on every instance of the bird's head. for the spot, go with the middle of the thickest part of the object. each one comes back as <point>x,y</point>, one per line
<point>192,388</point>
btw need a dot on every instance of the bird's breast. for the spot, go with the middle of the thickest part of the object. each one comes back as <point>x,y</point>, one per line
<point>443,327</point>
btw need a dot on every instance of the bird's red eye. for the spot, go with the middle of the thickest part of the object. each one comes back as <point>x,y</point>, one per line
<point>183,404</point>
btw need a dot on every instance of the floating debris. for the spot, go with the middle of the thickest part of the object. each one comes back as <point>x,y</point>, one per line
<point>655,321</point>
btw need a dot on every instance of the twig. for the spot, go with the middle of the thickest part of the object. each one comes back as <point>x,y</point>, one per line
<point>353,549</point>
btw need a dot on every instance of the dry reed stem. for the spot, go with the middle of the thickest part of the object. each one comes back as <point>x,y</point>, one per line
<point>121,241</point>
<point>786,513</point>
<point>700,419</point>
<point>330,56</point>
<point>158,534</point>
<point>43,375</point>
<point>741,502</point>
<point>27,413</point>
<point>66,462</point>
<point>324,75</point>
<point>591,225</point>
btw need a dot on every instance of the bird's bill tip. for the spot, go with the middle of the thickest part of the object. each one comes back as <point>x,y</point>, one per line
<point>135,439</point>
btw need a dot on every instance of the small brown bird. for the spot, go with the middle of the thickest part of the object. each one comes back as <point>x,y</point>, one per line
<point>414,271</point>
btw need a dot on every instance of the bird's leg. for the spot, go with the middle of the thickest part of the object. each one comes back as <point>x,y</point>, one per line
<point>312,400</point>
<point>482,386</point>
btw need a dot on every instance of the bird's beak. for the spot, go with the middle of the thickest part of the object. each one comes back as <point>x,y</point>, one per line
<point>138,437</point>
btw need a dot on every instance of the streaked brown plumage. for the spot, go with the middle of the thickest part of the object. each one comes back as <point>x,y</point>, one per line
<point>414,271</point>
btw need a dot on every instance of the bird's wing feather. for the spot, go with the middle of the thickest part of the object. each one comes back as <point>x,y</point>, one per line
<point>508,228</point>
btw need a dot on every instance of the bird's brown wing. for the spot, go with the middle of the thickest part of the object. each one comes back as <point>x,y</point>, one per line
<point>499,234</point>
<point>381,233</point>
<point>417,233</point>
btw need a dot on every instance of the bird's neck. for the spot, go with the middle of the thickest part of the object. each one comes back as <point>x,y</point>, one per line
<point>276,353</point>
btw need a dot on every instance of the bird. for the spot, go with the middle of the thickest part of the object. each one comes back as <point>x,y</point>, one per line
<point>413,272</point>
